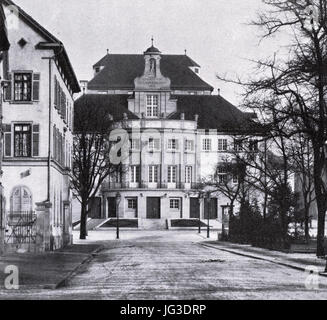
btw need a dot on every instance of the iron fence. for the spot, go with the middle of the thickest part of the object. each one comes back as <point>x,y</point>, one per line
<point>21,228</point>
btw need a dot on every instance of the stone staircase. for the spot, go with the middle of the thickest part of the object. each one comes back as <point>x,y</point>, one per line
<point>91,224</point>
<point>153,224</point>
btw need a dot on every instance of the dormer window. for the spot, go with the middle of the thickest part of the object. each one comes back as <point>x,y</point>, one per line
<point>152,106</point>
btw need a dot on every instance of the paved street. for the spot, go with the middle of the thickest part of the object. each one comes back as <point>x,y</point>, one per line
<point>173,265</point>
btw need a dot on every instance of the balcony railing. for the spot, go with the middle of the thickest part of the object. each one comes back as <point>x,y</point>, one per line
<point>150,186</point>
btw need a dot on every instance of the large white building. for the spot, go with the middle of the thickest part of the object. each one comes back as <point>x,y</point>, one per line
<point>38,123</point>
<point>179,131</point>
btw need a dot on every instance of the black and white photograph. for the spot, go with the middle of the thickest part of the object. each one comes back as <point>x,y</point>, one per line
<point>169,151</point>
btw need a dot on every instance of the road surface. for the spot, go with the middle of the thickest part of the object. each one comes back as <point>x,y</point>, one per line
<point>172,265</point>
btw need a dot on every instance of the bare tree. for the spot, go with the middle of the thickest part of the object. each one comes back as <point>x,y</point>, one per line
<point>296,81</point>
<point>302,156</point>
<point>91,164</point>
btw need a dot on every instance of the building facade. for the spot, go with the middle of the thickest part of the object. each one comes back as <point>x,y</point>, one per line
<point>38,124</point>
<point>178,132</point>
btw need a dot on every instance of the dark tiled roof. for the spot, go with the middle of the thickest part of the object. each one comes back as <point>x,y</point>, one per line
<point>101,105</point>
<point>214,113</point>
<point>4,43</point>
<point>61,53</point>
<point>120,71</point>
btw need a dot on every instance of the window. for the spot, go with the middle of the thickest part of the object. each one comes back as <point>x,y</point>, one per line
<point>135,174</point>
<point>172,144</point>
<point>222,144</point>
<point>153,174</point>
<point>206,145</point>
<point>253,145</point>
<point>152,106</point>
<point>222,175</point>
<point>188,174</point>
<point>172,174</point>
<point>154,144</point>
<point>238,145</point>
<point>175,204</point>
<point>22,140</point>
<point>132,203</point>
<point>235,179</point>
<point>23,86</point>
<point>135,144</point>
<point>189,145</point>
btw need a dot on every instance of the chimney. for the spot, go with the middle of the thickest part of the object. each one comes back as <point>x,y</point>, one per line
<point>218,91</point>
<point>183,116</point>
<point>196,117</point>
<point>111,118</point>
<point>125,117</point>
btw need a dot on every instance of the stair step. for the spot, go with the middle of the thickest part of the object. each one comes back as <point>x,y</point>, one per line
<point>153,224</point>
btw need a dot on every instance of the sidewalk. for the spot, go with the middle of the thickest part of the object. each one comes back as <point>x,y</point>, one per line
<point>48,270</point>
<point>299,261</point>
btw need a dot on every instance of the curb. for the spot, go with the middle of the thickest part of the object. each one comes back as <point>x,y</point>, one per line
<point>289,265</point>
<point>62,283</point>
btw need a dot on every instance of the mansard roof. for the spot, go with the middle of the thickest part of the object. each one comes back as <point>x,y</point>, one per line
<point>51,42</point>
<point>120,71</point>
<point>114,105</point>
<point>214,111</point>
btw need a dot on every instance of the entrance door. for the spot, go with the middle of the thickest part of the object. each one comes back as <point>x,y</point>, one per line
<point>212,210</point>
<point>112,207</point>
<point>95,208</point>
<point>194,208</point>
<point>153,208</point>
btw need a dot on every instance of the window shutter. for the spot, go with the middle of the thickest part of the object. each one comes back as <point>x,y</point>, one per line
<point>55,92</point>
<point>36,140</point>
<point>8,89</point>
<point>177,144</point>
<point>36,86</point>
<point>7,139</point>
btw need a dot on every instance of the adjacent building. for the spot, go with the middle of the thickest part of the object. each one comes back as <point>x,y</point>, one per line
<point>37,124</point>
<point>179,130</point>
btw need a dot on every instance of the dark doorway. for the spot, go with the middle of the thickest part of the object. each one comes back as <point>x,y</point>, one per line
<point>112,207</point>
<point>153,208</point>
<point>95,208</point>
<point>213,209</point>
<point>194,208</point>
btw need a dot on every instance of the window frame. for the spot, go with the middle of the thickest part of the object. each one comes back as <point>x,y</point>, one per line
<point>134,204</point>
<point>135,174</point>
<point>172,174</point>
<point>189,143</point>
<point>175,204</point>
<point>16,82</point>
<point>30,133</point>
<point>153,174</point>
<point>222,145</point>
<point>206,144</point>
<point>152,106</point>
<point>188,174</point>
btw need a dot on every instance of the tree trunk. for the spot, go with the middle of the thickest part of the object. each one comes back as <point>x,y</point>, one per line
<point>306,224</point>
<point>321,202</point>
<point>83,231</point>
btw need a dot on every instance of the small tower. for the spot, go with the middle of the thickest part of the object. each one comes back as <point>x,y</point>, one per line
<point>152,77</point>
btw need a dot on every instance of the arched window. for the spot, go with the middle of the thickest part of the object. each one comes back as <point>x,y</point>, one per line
<point>21,200</point>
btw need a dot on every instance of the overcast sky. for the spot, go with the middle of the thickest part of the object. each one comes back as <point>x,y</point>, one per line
<point>214,32</point>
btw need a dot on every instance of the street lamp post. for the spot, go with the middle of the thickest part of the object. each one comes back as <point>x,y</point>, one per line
<point>118,198</point>
<point>199,215</point>
<point>209,207</point>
